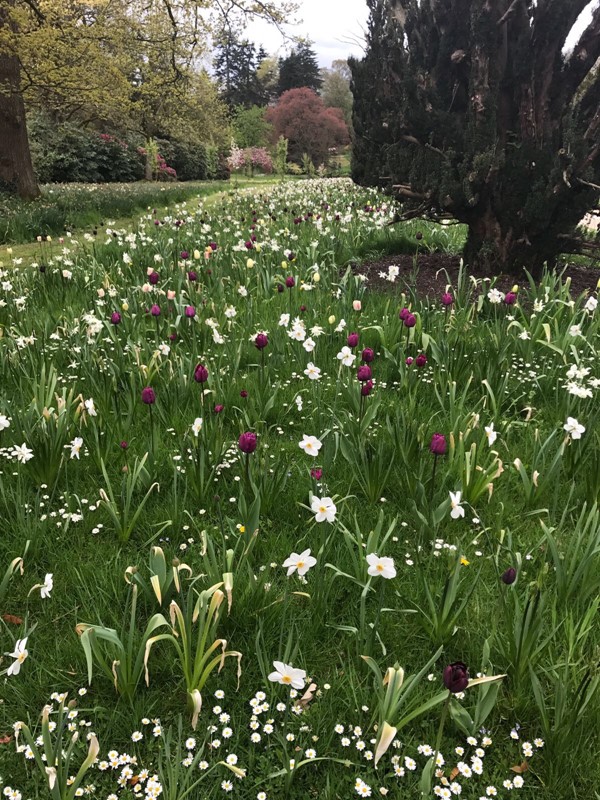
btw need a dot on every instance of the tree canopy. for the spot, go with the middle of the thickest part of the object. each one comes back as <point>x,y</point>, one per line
<point>299,69</point>
<point>475,110</point>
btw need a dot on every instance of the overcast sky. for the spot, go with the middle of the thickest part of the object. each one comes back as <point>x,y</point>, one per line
<point>336,28</point>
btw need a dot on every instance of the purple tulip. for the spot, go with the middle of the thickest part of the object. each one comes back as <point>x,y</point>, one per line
<point>184,255</point>
<point>408,361</point>
<point>213,246</point>
<point>280,287</point>
<point>456,677</point>
<point>366,388</point>
<point>190,312</point>
<point>410,321</point>
<point>317,474</point>
<point>153,278</point>
<point>509,576</point>
<point>123,445</point>
<point>247,442</point>
<point>447,299</point>
<point>200,374</point>
<point>115,318</point>
<point>368,355</point>
<point>290,281</point>
<point>261,341</point>
<point>364,373</point>
<point>148,396</point>
<point>404,314</point>
<point>510,298</point>
<point>192,276</point>
<point>219,408</point>
<point>438,444</point>
<point>421,360</point>
<point>243,393</point>
<point>352,340</point>
<point>155,310</point>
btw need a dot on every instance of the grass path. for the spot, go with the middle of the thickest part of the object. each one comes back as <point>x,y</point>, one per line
<point>31,250</point>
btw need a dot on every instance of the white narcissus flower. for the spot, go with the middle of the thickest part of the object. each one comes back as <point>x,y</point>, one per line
<point>287,675</point>
<point>312,372</point>
<point>19,654</point>
<point>197,426</point>
<point>323,508</point>
<point>381,566</point>
<point>311,445</point>
<point>346,356</point>
<point>491,434</point>
<point>301,562</point>
<point>47,586</point>
<point>90,407</point>
<point>76,446</point>
<point>457,510</point>
<point>309,345</point>
<point>22,453</point>
<point>591,304</point>
<point>573,428</point>
<point>4,422</point>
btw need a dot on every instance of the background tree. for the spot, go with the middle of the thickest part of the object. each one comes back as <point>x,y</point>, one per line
<point>131,64</point>
<point>335,90</point>
<point>299,69</point>
<point>235,66</point>
<point>301,117</point>
<point>250,127</point>
<point>267,74</point>
<point>472,109</point>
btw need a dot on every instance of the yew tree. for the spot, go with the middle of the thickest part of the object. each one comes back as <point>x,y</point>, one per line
<point>475,110</point>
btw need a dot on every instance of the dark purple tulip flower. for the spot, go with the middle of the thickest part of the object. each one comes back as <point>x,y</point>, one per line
<point>509,576</point>
<point>200,374</point>
<point>155,310</point>
<point>316,473</point>
<point>456,677</point>
<point>352,340</point>
<point>148,396</point>
<point>192,276</point>
<point>447,299</point>
<point>115,318</point>
<point>403,314</point>
<point>190,312</point>
<point>410,321</point>
<point>510,298</point>
<point>421,360</point>
<point>290,281</point>
<point>368,355</point>
<point>153,278</point>
<point>247,442</point>
<point>219,408</point>
<point>366,388</point>
<point>364,373</point>
<point>261,341</point>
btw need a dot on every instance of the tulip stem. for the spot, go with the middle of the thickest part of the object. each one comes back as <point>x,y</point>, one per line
<point>435,460</point>
<point>438,740</point>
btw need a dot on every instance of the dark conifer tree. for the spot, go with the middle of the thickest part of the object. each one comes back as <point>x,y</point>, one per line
<point>300,70</point>
<point>474,110</point>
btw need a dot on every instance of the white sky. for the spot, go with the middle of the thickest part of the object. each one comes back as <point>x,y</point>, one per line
<point>336,29</point>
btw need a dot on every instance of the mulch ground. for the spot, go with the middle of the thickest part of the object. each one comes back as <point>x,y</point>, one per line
<point>436,270</point>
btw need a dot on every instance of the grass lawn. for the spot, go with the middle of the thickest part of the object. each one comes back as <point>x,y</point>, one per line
<point>275,524</point>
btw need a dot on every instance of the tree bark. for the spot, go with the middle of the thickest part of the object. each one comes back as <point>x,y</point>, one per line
<point>16,169</point>
<point>494,247</point>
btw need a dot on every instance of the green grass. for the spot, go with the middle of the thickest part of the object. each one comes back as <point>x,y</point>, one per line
<point>376,464</point>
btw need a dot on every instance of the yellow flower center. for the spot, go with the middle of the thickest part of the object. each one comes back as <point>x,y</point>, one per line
<point>300,564</point>
<point>379,567</point>
<point>286,679</point>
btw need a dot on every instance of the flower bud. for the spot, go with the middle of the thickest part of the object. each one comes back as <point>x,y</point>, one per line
<point>261,341</point>
<point>364,373</point>
<point>509,576</point>
<point>352,340</point>
<point>368,355</point>
<point>200,374</point>
<point>148,396</point>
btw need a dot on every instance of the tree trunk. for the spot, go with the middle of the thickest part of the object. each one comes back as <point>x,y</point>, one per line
<point>494,247</point>
<point>16,169</point>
